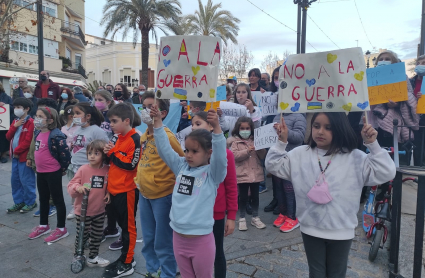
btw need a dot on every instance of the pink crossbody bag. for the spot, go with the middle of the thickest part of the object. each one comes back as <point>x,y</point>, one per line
<point>319,193</point>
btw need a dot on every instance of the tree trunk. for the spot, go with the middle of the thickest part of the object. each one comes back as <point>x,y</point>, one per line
<point>145,57</point>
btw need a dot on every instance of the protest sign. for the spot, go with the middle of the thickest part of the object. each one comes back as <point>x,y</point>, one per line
<point>221,93</point>
<point>5,117</point>
<point>265,137</point>
<point>420,109</point>
<point>267,102</point>
<point>181,136</point>
<point>188,68</point>
<point>387,83</point>
<point>332,81</point>
<point>214,105</point>
<point>171,121</point>
<point>232,109</point>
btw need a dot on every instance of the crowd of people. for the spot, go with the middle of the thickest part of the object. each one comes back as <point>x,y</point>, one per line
<point>189,198</point>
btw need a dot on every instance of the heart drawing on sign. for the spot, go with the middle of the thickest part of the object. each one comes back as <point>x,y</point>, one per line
<point>195,70</point>
<point>359,76</point>
<point>310,82</point>
<point>347,107</point>
<point>363,105</point>
<point>212,93</point>
<point>296,107</point>
<point>283,105</point>
<point>167,62</point>
<point>331,58</point>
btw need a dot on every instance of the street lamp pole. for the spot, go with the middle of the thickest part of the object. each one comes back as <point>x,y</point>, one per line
<point>302,5</point>
<point>368,56</point>
<point>422,44</point>
<point>299,29</point>
<point>40,36</point>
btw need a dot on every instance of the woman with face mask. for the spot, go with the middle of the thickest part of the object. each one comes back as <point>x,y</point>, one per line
<point>416,82</point>
<point>66,99</point>
<point>122,94</point>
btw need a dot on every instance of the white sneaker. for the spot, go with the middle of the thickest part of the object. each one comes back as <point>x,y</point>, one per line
<point>255,221</point>
<point>71,214</point>
<point>98,261</point>
<point>242,224</point>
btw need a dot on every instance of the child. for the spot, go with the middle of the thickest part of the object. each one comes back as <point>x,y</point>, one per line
<point>52,158</point>
<point>282,189</point>
<point>242,95</point>
<point>226,201</point>
<point>249,171</point>
<point>124,157</point>
<point>23,177</point>
<point>89,119</point>
<point>155,181</point>
<point>198,177</point>
<point>328,216</point>
<point>92,179</point>
<point>69,129</point>
<point>104,101</point>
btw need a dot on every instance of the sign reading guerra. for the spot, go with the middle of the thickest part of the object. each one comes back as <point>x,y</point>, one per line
<point>188,68</point>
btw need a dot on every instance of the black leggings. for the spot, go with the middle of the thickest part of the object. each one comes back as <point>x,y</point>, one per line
<point>50,184</point>
<point>243,198</point>
<point>326,258</point>
<point>220,259</point>
<point>285,197</point>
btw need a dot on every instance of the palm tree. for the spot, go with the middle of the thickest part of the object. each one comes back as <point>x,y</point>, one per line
<point>143,16</point>
<point>210,21</point>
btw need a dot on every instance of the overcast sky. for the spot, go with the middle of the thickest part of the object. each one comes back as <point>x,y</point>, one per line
<point>391,24</point>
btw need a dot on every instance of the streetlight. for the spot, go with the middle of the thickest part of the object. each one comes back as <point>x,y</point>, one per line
<point>374,60</point>
<point>368,56</point>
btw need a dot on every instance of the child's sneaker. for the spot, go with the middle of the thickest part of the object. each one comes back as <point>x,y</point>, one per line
<point>15,208</point>
<point>52,210</point>
<point>289,225</point>
<point>28,208</point>
<point>119,270</point>
<point>98,261</point>
<point>37,213</point>
<point>111,233</point>
<point>153,275</point>
<point>279,221</point>
<point>242,224</point>
<point>56,235</point>
<point>116,245</point>
<point>71,214</point>
<point>39,231</point>
<point>255,221</point>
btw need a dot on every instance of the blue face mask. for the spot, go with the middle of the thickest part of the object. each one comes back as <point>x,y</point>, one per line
<point>383,63</point>
<point>420,70</point>
<point>64,96</point>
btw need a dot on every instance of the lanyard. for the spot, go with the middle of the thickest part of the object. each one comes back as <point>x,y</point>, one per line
<point>320,164</point>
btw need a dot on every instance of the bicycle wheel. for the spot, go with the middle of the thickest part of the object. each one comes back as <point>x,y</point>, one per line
<point>376,243</point>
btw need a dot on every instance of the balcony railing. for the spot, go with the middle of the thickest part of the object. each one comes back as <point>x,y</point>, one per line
<point>69,66</point>
<point>73,29</point>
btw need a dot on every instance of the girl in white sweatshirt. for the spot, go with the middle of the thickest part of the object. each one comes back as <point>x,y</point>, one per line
<point>328,193</point>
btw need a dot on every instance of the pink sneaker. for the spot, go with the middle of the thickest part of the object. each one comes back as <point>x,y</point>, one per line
<point>39,231</point>
<point>56,235</point>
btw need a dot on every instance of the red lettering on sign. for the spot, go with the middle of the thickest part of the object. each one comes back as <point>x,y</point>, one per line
<point>298,95</point>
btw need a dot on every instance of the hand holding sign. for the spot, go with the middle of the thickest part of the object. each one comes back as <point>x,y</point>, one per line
<point>249,105</point>
<point>156,116</point>
<point>212,119</point>
<point>282,130</point>
<point>369,134</point>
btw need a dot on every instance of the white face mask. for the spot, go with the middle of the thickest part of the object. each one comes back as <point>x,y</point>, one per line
<point>27,95</point>
<point>78,122</point>
<point>38,123</point>
<point>231,85</point>
<point>146,117</point>
<point>383,63</point>
<point>19,112</point>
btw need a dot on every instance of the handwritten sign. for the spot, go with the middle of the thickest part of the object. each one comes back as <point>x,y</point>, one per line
<point>265,137</point>
<point>5,117</point>
<point>181,136</point>
<point>215,105</point>
<point>188,68</point>
<point>332,81</point>
<point>420,109</point>
<point>171,121</point>
<point>387,83</point>
<point>232,109</point>
<point>267,102</point>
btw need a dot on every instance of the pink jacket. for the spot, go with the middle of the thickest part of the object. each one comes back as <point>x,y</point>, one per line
<point>405,112</point>
<point>248,163</point>
<point>87,174</point>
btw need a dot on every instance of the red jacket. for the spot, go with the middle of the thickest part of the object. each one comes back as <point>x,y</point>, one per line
<point>227,193</point>
<point>53,87</point>
<point>24,139</point>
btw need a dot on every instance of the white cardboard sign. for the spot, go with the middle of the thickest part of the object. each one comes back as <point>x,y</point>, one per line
<point>188,68</point>
<point>181,135</point>
<point>5,117</point>
<point>267,102</point>
<point>233,109</point>
<point>265,137</point>
<point>332,81</point>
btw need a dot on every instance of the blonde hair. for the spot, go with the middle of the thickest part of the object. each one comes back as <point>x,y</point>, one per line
<point>29,88</point>
<point>394,57</point>
<point>106,95</point>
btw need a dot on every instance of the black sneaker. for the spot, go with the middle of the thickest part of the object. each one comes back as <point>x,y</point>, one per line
<point>276,210</point>
<point>120,270</point>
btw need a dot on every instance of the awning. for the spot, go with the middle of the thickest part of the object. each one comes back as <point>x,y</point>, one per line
<point>34,77</point>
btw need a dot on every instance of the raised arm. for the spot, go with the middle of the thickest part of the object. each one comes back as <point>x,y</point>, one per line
<point>218,160</point>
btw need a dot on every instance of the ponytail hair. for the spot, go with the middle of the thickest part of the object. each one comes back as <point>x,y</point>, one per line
<point>51,114</point>
<point>88,108</point>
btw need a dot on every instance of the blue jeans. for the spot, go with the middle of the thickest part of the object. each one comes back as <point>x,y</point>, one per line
<point>157,235</point>
<point>23,183</point>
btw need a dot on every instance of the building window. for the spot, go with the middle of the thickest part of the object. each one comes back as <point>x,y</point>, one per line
<point>49,11</point>
<point>14,46</point>
<point>106,76</point>
<point>77,60</point>
<point>23,47</point>
<point>33,49</point>
<point>26,4</point>
<point>29,44</point>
